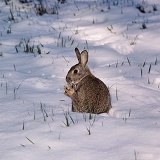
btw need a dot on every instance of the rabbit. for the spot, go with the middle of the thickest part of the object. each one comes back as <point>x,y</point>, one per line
<point>88,93</point>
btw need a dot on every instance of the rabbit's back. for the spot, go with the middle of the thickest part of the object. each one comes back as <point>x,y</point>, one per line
<point>93,96</point>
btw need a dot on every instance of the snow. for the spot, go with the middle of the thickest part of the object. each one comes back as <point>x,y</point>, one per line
<point>121,53</point>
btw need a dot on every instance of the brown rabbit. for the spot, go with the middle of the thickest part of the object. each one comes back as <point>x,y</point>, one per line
<point>88,93</point>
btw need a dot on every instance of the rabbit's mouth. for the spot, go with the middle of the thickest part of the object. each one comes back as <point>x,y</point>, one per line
<point>70,81</point>
<point>73,81</point>
<point>70,84</point>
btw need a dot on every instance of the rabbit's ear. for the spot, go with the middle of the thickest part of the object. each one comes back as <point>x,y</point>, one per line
<point>78,55</point>
<point>84,57</point>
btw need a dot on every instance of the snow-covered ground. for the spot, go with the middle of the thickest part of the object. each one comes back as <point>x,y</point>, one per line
<point>36,53</point>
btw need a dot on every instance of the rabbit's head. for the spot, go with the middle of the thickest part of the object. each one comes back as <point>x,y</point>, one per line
<point>80,70</point>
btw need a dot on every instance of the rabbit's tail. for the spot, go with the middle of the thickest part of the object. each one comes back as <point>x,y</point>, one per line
<point>119,114</point>
<point>113,112</point>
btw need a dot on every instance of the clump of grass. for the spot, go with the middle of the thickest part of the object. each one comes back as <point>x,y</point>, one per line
<point>23,126</point>
<point>89,130</point>
<point>140,8</point>
<point>148,81</point>
<point>136,155</point>
<point>110,28</point>
<point>156,61</point>
<point>144,63</point>
<point>149,70</point>
<point>117,64</point>
<point>62,1</point>
<point>9,31</point>
<point>68,119</point>
<point>129,62</point>
<point>30,140</point>
<point>141,73</point>
<point>126,116</point>
<point>116,93</point>
<point>64,42</point>
<point>11,18</point>
<point>59,136</point>
<point>43,8</point>
<point>94,119</point>
<point>25,1</point>
<point>154,7</point>
<point>75,5</point>
<point>67,123</point>
<point>29,47</point>
<point>34,117</point>
<point>43,110</point>
<point>6,2</point>
<point>14,66</point>
<point>133,42</point>
<point>144,25</point>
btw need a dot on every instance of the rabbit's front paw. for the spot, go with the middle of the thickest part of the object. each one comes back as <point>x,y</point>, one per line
<point>68,90</point>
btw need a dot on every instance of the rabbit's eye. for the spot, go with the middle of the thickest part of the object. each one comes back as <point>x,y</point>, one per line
<point>75,71</point>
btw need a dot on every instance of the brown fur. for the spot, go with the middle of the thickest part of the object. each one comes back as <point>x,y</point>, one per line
<point>88,93</point>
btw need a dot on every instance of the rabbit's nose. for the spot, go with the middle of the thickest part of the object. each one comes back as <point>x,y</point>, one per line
<point>68,79</point>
